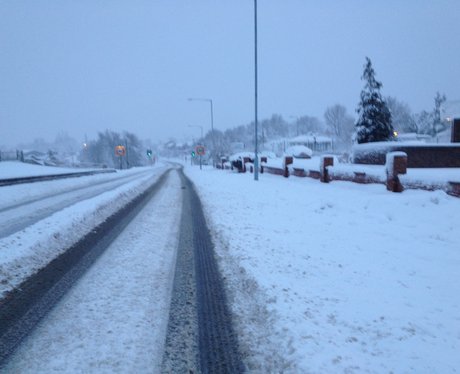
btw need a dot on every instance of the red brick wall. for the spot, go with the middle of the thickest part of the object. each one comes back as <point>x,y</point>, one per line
<point>418,156</point>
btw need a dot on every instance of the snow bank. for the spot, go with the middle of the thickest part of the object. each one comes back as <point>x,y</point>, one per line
<point>16,169</point>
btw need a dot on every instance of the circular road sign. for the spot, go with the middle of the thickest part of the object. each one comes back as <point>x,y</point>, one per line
<point>120,150</point>
<point>199,149</point>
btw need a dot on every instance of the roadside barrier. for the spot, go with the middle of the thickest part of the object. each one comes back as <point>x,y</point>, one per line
<point>396,165</point>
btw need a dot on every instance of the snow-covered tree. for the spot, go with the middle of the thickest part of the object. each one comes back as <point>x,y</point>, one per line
<point>102,150</point>
<point>340,124</point>
<point>424,120</point>
<point>308,124</point>
<point>431,123</point>
<point>273,127</point>
<point>438,125</point>
<point>374,122</point>
<point>135,152</point>
<point>401,116</point>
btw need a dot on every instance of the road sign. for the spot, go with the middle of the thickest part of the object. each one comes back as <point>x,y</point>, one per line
<point>200,151</point>
<point>120,150</point>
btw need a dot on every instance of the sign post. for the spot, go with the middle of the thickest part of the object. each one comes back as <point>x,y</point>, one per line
<point>120,151</point>
<point>150,156</point>
<point>193,155</point>
<point>200,151</point>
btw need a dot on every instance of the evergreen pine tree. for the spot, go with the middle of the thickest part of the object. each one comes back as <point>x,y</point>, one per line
<point>374,121</point>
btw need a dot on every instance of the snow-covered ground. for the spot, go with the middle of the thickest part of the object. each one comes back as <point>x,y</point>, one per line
<point>26,251</point>
<point>338,277</point>
<point>114,319</point>
<point>323,278</point>
<point>16,169</point>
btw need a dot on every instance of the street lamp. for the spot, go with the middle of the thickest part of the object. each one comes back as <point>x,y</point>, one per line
<point>212,122</point>
<point>256,150</point>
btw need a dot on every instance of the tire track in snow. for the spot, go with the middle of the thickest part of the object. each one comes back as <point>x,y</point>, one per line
<point>200,333</point>
<point>24,308</point>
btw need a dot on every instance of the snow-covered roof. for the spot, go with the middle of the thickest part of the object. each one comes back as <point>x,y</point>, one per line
<point>299,151</point>
<point>310,139</point>
<point>412,137</point>
<point>241,155</point>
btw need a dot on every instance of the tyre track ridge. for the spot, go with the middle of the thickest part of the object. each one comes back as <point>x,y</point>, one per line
<point>214,339</point>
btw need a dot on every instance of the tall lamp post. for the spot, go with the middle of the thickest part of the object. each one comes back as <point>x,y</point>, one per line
<point>212,123</point>
<point>256,150</point>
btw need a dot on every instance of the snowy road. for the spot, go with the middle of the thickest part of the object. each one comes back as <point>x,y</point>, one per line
<point>139,293</point>
<point>114,319</point>
<point>40,200</point>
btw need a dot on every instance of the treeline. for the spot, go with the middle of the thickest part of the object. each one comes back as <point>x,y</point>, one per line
<point>336,123</point>
<point>102,150</point>
<point>378,119</point>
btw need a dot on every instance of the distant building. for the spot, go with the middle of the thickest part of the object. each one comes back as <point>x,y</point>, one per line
<point>317,143</point>
<point>450,111</point>
<point>237,147</point>
<point>413,137</point>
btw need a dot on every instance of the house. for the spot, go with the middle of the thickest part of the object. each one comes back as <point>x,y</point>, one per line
<point>450,111</point>
<point>317,143</point>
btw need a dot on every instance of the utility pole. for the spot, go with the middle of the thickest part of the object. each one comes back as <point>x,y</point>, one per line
<point>213,153</point>
<point>256,150</point>
<point>127,158</point>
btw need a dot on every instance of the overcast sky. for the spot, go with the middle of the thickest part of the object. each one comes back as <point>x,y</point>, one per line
<point>89,65</point>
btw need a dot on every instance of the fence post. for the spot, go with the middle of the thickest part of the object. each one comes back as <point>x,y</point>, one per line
<point>288,160</point>
<point>262,159</point>
<point>396,163</point>
<point>324,173</point>
<point>245,160</point>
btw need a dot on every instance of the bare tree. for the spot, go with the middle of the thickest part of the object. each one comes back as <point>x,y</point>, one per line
<point>307,124</point>
<point>102,150</point>
<point>340,124</point>
<point>438,125</point>
<point>430,122</point>
<point>402,118</point>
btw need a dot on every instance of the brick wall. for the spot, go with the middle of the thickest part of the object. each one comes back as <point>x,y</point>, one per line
<point>418,156</point>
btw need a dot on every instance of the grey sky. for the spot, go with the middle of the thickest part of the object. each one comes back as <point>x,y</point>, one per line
<point>88,65</point>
